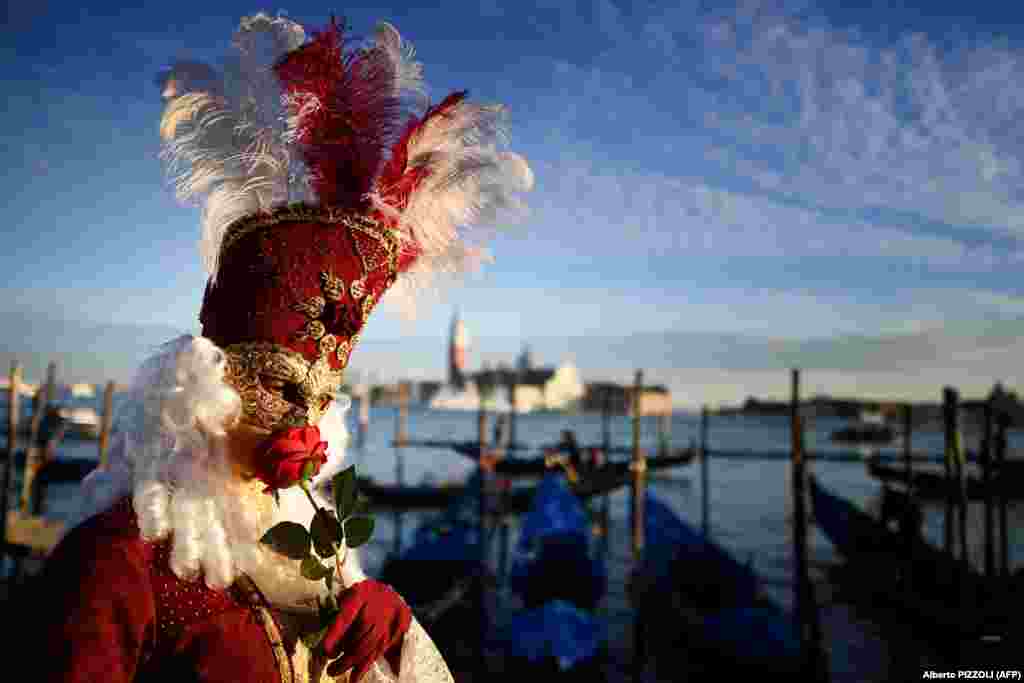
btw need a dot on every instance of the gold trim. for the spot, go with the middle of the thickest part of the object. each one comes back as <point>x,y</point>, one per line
<point>332,286</point>
<point>368,303</point>
<point>315,381</point>
<point>314,308</point>
<point>382,237</point>
<point>270,628</point>
<point>300,212</point>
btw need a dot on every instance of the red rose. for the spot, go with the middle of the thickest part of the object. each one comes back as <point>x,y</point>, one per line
<point>291,456</point>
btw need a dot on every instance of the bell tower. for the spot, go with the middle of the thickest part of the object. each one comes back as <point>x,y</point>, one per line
<point>457,343</point>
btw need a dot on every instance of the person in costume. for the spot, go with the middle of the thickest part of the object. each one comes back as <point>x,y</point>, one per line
<point>328,181</point>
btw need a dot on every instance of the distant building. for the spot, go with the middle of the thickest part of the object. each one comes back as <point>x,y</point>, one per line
<point>82,390</point>
<point>25,389</point>
<point>525,360</point>
<point>617,399</point>
<point>426,390</point>
<point>534,388</point>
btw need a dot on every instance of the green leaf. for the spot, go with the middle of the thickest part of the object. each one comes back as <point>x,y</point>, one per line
<point>358,531</point>
<point>313,640</point>
<point>289,539</point>
<point>345,491</point>
<point>326,532</point>
<point>362,505</point>
<point>313,570</point>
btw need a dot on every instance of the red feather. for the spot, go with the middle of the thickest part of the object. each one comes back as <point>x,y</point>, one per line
<point>343,141</point>
<point>397,182</point>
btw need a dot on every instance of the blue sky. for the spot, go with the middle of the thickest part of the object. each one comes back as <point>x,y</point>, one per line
<point>722,191</point>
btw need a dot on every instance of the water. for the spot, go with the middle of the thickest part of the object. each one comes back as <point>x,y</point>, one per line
<point>749,500</point>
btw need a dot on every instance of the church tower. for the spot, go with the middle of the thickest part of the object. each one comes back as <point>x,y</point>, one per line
<point>457,343</point>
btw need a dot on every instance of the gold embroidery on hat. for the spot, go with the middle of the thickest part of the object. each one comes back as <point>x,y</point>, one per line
<point>328,343</point>
<point>314,330</point>
<point>383,240</point>
<point>332,286</point>
<point>368,303</point>
<point>343,351</point>
<point>313,308</point>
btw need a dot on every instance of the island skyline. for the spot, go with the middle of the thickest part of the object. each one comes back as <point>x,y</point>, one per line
<point>726,368</point>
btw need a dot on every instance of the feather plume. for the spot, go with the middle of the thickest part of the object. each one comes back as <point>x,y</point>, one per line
<point>223,132</point>
<point>222,160</point>
<point>445,174</point>
<point>343,127</point>
<point>343,109</point>
<point>408,74</point>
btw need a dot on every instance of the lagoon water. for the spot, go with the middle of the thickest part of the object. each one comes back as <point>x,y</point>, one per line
<point>749,499</point>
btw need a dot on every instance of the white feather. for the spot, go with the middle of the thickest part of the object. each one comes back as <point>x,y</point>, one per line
<point>408,72</point>
<point>471,184</point>
<point>232,152</point>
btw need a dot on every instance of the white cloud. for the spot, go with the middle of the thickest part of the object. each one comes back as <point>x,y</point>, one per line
<point>800,109</point>
<point>640,212</point>
<point>907,126</point>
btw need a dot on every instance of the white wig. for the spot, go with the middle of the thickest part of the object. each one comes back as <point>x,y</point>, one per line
<point>168,454</point>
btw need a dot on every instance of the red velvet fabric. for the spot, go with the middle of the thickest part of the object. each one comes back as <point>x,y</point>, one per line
<point>107,609</point>
<point>268,271</point>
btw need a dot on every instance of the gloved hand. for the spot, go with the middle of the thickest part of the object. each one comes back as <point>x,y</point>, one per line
<point>370,625</point>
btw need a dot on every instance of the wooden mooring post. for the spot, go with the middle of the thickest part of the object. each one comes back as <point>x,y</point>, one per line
<point>664,434</point>
<point>958,490</point>
<point>512,414</point>
<point>1002,424</point>
<point>638,465</point>
<point>639,469</point>
<point>808,624</point>
<point>481,425</point>
<point>910,529</point>
<point>12,449</point>
<point>986,478</point>
<point>30,497</point>
<point>949,435</point>
<point>705,504</point>
<point>107,423</point>
<point>401,439</point>
<point>402,435</point>
<point>606,447</point>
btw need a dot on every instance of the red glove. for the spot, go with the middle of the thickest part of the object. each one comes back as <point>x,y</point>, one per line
<point>372,621</point>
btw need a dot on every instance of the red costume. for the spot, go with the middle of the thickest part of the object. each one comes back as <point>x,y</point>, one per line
<point>120,614</point>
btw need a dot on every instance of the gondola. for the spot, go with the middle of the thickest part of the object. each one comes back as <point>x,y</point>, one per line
<point>539,466</point>
<point>552,633</point>
<point>719,619</point>
<point>59,470</point>
<point>934,485</point>
<point>515,499</point>
<point>472,448</point>
<point>942,595</point>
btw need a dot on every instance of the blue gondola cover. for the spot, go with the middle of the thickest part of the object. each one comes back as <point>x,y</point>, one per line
<point>557,630</point>
<point>669,540</point>
<point>552,557</point>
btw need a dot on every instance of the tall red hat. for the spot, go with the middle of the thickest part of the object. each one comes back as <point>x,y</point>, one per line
<point>326,180</point>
